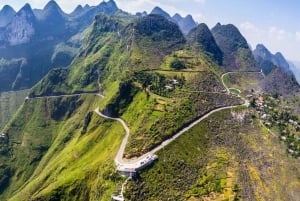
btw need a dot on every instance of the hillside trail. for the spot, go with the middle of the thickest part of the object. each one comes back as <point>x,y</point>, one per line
<point>135,162</point>
<point>119,160</point>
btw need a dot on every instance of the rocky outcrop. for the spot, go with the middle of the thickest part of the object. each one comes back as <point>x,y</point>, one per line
<point>22,27</point>
<point>6,15</point>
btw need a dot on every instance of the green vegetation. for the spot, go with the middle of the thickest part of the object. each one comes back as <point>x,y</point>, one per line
<point>9,104</point>
<point>202,39</point>
<point>150,39</point>
<point>9,70</point>
<point>214,161</point>
<point>176,111</point>
<point>61,160</point>
<point>57,148</point>
<point>247,82</point>
<point>237,54</point>
<point>281,120</point>
<point>176,64</point>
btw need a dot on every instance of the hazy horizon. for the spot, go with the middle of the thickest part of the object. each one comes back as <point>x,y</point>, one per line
<point>274,24</point>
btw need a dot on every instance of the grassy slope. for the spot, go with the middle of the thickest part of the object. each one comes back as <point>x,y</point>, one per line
<point>244,81</point>
<point>52,159</point>
<point>9,103</point>
<point>222,158</point>
<point>61,159</point>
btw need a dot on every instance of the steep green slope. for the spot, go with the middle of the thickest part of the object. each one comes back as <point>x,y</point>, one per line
<point>151,39</point>
<point>225,157</point>
<point>111,50</point>
<point>60,147</point>
<point>202,39</point>
<point>237,54</point>
<point>9,104</point>
<point>288,84</point>
<point>57,148</point>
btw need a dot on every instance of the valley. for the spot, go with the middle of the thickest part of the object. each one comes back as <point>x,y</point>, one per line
<point>147,107</point>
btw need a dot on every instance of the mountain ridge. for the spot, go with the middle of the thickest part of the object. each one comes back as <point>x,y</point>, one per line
<point>144,71</point>
<point>237,54</point>
<point>52,32</point>
<point>262,54</point>
<point>6,15</point>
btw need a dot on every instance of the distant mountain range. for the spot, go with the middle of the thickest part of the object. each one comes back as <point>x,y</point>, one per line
<point>267,60</point>
<point>164,78</point>
<point>58,37</point>
<point>237,54</point>
<point>55,34</point>
<point>6,15</point>
<point>185,23</point>
<point>295,67</point>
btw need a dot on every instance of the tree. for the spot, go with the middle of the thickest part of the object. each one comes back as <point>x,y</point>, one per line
<point>177,64</point>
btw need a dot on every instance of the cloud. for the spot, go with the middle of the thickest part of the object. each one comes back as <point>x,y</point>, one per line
<point>298,36</point>
<point>274,38</point>
<point>200,1</point>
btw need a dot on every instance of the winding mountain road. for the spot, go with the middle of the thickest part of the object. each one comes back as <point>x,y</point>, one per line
<point>232,72</point>
<point>66,95</point>
<point>136,162</point>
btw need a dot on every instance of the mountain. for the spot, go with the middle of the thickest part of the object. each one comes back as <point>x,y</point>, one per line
<point>267,60</point>
<point>124,59</point>
<point>287,84</point>
<point>155,37</point>
<point>185,24</point>
<point>237,54</point>
<point>295,67</point>
<point>77,11</point>
<point>202,38</point>
<point>177,17</point>
<point>21,29</point>
<point>275,67</point>
<point>158,11</point>
<point>52,10</point>
<point>38,13</point>
<point>53,20</point>
<point>55,34</point>
<point>141,14</point>
<point>6,15</point>
<point>138,87</point>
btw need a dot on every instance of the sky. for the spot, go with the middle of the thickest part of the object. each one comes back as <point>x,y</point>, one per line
<point>274,23</point>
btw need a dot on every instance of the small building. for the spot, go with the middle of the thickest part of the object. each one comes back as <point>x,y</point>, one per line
<point>126,171</point>
<point>168,87</point>
<point>174,81</point>
<point>264,116</point>
<point>3,135</point>
<point>283,138</point>
<point>131,169</point>
<point>117,198</point>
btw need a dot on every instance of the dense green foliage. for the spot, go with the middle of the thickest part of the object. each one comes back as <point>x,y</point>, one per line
<point>57,148</point>
<point>151,38</point>
<point>216,160</point>
<point>201,38</point>
<point>166,121</point>
<point>287,85</point>
<point>237,54</point>
<point>121,100</point>
<point>9,104</point>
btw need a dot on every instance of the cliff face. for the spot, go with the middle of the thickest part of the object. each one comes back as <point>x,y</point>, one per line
<point>6,15</point>
<point>237,54</point>
<point>22,27</point>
